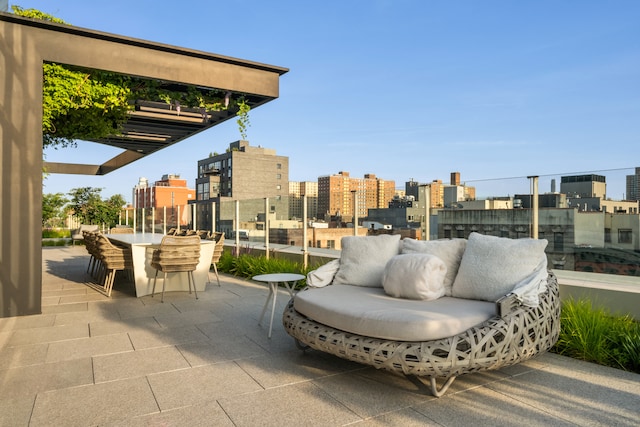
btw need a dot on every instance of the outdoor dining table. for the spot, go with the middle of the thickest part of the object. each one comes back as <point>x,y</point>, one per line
<point>142,246</point>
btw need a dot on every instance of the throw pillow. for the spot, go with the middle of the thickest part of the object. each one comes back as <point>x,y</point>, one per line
<point>492,266</point>
<point>448,250</point>
<point>363,258</point>
<point>323,275</point>
<point>414,276</point>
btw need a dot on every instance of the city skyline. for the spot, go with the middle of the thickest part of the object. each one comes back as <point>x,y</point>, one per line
<point>405,90</point>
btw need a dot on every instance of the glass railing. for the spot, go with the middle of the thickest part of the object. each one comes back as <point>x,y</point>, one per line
<point>586,217</point>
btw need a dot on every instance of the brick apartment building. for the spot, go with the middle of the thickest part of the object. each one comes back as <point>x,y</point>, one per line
<point>336,195</point>
<point>170,192</point>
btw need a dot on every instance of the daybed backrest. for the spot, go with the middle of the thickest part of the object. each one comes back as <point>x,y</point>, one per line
<point>363,258</point>
<point>492,267</point>
<point>482,267</point>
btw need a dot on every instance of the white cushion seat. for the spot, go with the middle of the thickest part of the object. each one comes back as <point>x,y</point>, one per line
<point>370,312</point>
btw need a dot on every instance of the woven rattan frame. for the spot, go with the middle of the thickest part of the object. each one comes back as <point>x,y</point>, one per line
<point>112,259</point>
<point>217,253</point>
<point>176,254</point>
<point>500,341</point>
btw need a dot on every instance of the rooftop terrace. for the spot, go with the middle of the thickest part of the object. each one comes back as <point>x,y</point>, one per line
<point>92,360</point>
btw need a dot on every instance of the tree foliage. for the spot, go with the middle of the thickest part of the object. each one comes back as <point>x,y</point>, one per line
<point>82,105</point>
<point>89,207</point>
<point>88,104</point>
<point>52,209</point>
<point>36,14</point>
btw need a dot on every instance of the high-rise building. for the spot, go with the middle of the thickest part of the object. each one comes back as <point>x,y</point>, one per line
<point>298,189</point>
<point>633,186</point>
<point>338,193</point>
<point>245,173</point>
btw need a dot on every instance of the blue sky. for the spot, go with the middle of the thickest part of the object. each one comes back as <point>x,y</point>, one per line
<point>404,89</point>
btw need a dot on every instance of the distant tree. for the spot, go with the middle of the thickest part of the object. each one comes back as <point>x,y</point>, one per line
<point>90,208</point>
<point>52,209</point>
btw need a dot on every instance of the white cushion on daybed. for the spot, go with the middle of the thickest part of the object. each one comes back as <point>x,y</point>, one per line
<point>414,276</point>
<point>492,267</point>
<point>448,250</point>
<point>372,313</point>
<point>362,259</point>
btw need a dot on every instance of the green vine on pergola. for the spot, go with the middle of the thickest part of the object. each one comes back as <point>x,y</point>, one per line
<point>88,104</point>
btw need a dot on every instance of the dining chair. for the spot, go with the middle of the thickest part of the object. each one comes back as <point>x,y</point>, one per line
<point>113,259</point>
<point>121,230</point>
<point>217,253</point>
<point>90,244</point>
<point>204,234</point>
<point>176,254</point>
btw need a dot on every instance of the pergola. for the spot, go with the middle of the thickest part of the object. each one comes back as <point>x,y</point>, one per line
<point>26,44</point>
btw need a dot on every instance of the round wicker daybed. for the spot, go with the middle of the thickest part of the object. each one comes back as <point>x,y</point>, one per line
<point>517,335</point>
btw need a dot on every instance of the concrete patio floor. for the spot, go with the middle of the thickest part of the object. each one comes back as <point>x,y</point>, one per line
<point>89,360</point>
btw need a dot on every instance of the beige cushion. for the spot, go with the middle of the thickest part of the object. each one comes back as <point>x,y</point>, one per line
<point>372,313</point>
<point>491,267</point>
<point>414,276</point>
<point>362,259</point>
<point>448,250</point>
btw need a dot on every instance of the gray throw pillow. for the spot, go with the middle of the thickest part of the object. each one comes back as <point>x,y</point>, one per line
<point>363,258</point>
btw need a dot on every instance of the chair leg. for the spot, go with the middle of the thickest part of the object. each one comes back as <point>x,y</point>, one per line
<point>111,278</point>
<point>153,291</point>
<point>105,282</point>
<point>194,283</point>
<point>216,270</point>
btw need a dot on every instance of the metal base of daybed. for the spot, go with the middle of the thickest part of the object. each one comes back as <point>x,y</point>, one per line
<point>514,337</point>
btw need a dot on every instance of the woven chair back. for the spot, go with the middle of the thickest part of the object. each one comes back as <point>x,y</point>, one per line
<point>89,238</point>
<point>204,234</point>
<point>219,248</point>
<point>121,230</point>
<point>177,253</point>
<point>113,257</point>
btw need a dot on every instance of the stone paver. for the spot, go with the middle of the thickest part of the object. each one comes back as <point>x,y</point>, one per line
<point>127,361</point>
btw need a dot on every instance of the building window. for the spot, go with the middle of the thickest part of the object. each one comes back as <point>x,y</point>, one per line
<point>625,236</point>
<point>278,165</point>
<point>278,187</point>
<point>331,244</point>
<point>460,233</point>
<point>558,242</point>
<point>278,176</point>
<point>447,234</point>
<point>607,235</point>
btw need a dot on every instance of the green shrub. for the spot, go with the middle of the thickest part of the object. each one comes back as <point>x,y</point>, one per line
<point>246,265</point>
<point>595,335</point>
<point>55,233</point>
